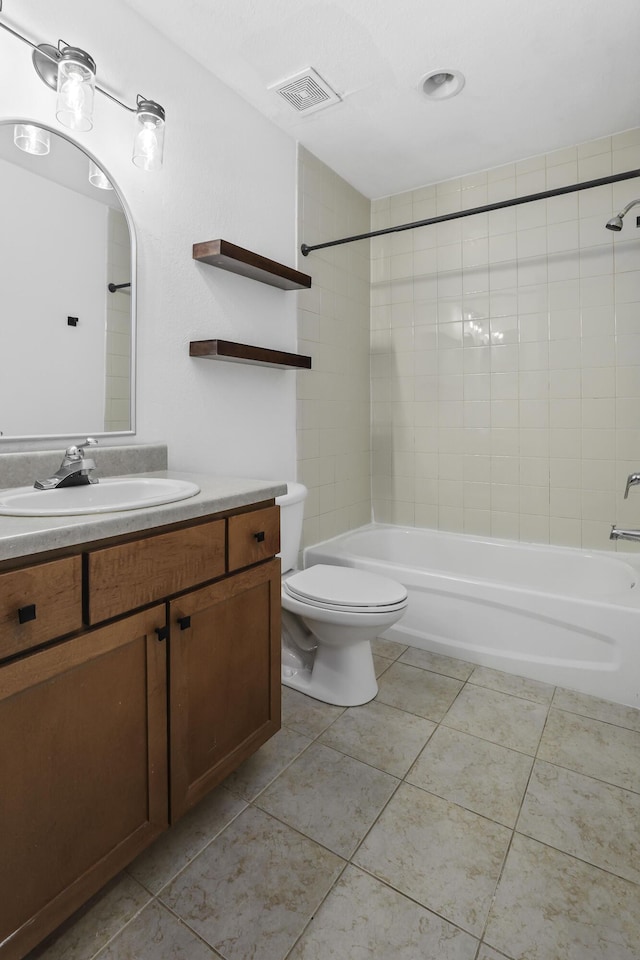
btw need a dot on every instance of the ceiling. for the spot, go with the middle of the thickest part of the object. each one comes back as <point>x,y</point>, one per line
<point>540,75</point>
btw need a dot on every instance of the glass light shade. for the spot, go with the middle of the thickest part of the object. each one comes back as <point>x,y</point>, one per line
<point>76,89</point>
<point>31,139</point>
<point>98,178</point>
<point>149,140</point>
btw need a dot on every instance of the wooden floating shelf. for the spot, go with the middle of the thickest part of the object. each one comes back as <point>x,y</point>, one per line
<point>227,256</point>
<point>243,353</point>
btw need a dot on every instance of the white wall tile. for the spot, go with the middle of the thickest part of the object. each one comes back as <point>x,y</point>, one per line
<point>518,409</point>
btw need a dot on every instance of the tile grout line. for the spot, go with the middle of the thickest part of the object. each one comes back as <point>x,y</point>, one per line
<point>513,829</point>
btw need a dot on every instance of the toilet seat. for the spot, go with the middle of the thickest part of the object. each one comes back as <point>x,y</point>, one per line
<point>330,587</point>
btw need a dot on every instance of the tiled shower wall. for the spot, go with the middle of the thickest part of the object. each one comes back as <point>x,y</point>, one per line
<point>333,327</point>
<point>505,353</point>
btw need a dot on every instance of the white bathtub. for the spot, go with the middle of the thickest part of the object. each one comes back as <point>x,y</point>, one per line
<point>563,616</point>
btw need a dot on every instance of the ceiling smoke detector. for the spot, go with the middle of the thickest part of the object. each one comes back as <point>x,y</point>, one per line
<point>441,84</point>
<point>306,91</point>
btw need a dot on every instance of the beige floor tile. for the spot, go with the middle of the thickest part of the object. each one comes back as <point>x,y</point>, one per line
<point>510,721</point>
<point>593,748</point>
<point>156,935</point>
<point>437,853</point>
<point>418,691</point>
<point>481,776</point>
<point>329,797</point>
<point>362,917</point>
<point>252,891</point>
<point>175,848</point>
<point>597,709</point>
<point>510,683</point>
<point>584,817</point>
<point>96,923</point>
<point>550,906</point>
<point>488,953</point>
<point>380,735</point>
<point>306,715</point>
<point>380,664</point>
<point>259,770</point>
<point>387,648</point>
<point>437,663</point>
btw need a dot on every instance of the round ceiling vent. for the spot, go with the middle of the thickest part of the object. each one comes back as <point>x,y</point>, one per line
<point>441,84</point>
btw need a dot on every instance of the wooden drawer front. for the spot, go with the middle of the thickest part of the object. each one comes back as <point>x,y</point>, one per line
<point>48,599</point>
<point>253,537</point>
<point>128,576</point>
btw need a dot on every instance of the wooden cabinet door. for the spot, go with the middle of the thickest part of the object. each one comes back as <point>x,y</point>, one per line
<point>83,771</point>
<point>224,699</point>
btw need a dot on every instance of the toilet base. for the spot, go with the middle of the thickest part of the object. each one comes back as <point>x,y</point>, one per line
<point>343,676</point>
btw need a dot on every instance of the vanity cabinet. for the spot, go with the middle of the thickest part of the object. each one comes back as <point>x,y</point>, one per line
<point>84,770</point>
<point>160,677</point>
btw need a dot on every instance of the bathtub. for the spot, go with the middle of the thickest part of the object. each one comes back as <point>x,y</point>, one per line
<point>563,616</point>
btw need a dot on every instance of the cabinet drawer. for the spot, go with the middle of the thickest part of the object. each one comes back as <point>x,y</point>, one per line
<point>253,537</point>
<point>130,575</point>
<point>46,597</point>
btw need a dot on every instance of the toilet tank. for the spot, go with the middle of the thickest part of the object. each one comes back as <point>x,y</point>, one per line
<point>291,516</point>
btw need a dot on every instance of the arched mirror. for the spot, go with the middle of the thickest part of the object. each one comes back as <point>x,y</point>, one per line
<point>67,291</point>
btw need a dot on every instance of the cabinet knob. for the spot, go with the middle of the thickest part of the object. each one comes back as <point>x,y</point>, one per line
<point>184,622</point>
<point>25,614</point>
<point>162,632</point>
<point>259,536</point>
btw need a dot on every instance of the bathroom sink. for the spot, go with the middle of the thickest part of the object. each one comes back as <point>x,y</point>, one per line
<point>109,495</point>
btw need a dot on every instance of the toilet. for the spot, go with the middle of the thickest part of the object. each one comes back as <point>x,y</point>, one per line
<point>330,615</point>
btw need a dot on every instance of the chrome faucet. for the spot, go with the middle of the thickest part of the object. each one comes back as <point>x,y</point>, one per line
<point>632,480</point>
<point>74,469</point>
<point>616,534</point>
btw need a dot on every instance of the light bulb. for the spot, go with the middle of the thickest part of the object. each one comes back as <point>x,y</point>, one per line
<point>147,144</point>
<point>76,88</point>
<point>149,140</point>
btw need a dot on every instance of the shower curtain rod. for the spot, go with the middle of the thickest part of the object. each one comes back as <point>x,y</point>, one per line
<point>545,194</point>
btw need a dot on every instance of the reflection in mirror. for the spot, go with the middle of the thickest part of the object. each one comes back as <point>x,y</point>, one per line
<point>67,342</point>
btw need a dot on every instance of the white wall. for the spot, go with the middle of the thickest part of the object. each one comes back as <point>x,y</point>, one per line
<point>228,173</point>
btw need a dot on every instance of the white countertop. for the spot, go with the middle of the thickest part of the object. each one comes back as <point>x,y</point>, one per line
<point>23,536</point>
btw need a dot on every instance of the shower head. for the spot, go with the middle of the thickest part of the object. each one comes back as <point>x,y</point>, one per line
<point>616,222</point>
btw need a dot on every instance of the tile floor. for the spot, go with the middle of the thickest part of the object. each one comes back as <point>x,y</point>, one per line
<point>465,814</point>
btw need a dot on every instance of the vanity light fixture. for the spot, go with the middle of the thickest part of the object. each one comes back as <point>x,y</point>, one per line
<point>72,73</point>
<point>75,84</point>
<point>32,139</point>
<point>149,141</point>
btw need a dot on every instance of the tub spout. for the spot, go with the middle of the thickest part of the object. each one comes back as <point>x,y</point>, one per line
<point>617,534</point>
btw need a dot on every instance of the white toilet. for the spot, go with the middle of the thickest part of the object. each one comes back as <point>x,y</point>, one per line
<point>330,615</point>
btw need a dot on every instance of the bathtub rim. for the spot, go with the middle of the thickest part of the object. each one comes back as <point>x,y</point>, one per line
<point>628,600</point>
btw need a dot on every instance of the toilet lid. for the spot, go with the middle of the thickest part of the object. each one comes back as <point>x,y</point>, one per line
<point>344,587</point>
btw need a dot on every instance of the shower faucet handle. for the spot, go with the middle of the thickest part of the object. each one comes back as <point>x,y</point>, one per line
<point>632,480</point>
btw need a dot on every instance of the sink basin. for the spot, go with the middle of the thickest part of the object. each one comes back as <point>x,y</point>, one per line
<point>109,495</point>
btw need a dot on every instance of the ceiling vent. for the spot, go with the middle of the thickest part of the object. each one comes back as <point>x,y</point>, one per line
<point>306,91</point>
